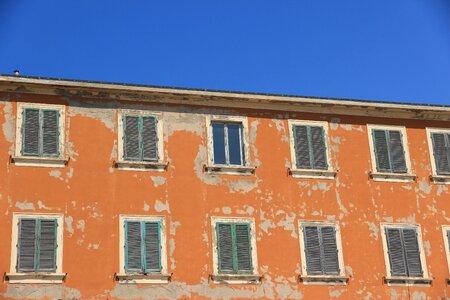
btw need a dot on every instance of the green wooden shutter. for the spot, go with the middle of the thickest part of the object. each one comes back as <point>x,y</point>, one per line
<point>312,250</point>
<point>47,245</point>
<point>302,149</point>
<point>149,139</point>
<point>412,252</point>
<point>152,247</point>
<point>243,248</point>
<point>329,251</point>
<point>225,247</point>
<point>318,148</point>
<point>381,147</point>
<point>132,147</point>
<point>133,247</point>
<point>441,152</point>
<point>50,133</point>
<point>395,250</point>
<point>30,132</point>
<point>397,153</point>
<point>26,251</point>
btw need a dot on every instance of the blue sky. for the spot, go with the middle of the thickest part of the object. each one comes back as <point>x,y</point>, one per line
<point>372,49</point>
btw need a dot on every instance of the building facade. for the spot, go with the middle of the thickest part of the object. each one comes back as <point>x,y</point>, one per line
<point>112,191</point>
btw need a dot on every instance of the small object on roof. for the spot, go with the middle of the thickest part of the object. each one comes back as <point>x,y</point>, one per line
<point>16,72</point>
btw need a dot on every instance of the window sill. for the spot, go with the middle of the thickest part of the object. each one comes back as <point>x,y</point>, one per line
<point>394,177</point>
<point>305,173</point>
<point>143,278</point>
<point>400,280</point>
<point>142,165</point>
<point>36,277</point>
<point>443,179</point>
<point>236,278</point>
<point>324,279</point>
<point>231,170</point>
<point>35,161</point>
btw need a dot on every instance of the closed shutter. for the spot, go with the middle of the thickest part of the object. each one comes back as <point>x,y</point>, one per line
<point>302,150</point>
<point>395,251</point>
<point>132,149</point>
<point>152,247</point>
<point>412,253</point>
<point>318,148</point>
<point>225,247</point>
<point>149,138</point>
<point>381,150</point>
<point>26,245</point>
<point>330,251</point>
<point>398,162</point>
<point>50,133</point>
<point>243,248</point>
<point>133,247</point>
<point>47,245</point>
<point>441,151</point>
<point>312,250</point>
<point>30,132</point>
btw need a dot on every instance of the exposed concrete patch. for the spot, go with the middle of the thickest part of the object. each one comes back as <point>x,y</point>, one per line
<point>334,123</point>
<point>42,206</point>
<point>33,291</point>
<point>81,224</point>
<point>158,180</point>
<point>226,210</point>
<point>424,187</point>
<point>335,293</point>
<point>288,223</point>
<point>159,206</point>
<point>265,224</point>
<point>241,185</point>
<point>427,248</point>
<point>249,210</point>
<point>69,220</point>
<point>189,122</point>
<point>279,124</point>
<point>8,126</point>
<point>91,110</point>
<point>56,174</point>
<point>199,162</point>
<point>146,206</point>
<point>25,205</point>
<point>419,296</point>
<point>349,270</point>
<point>93,246</point>
<point>374,229</point>
<point>172,231</point>
<point>252,141</point>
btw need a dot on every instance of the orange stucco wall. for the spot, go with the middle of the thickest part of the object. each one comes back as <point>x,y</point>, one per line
<point>91,193</point>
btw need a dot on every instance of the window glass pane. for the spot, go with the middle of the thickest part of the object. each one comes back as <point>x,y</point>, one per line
<point>219,143</point>
<point>234,143</point>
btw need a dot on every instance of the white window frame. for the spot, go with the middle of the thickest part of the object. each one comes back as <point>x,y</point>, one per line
<point>446,228</point>
<point>124,277</point>
<point>121,163</point>
<point>39,277</point>
<point>340,279</point>
<point>402,280</point>
<point>253,278</point>
<point>211,167</point>
<point>21,160</point>
<point>330,173</point>
<point>445,179</point>
<point>393,177</point>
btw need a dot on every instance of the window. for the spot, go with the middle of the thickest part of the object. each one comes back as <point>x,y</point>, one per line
<point>446,236</point>
<point>40,135</point>
<point>234,251</point>
<point>321,253</point>
<point>140,141</point>
<point>390,157</point>
<point>309,149</point>
<point>439,144</point>
<point>228,145</point>
<point>143,250</point>
<point>36,253</point>
<point>404,254</point>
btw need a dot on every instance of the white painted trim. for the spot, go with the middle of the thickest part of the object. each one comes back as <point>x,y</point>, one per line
<point>125,277</point>
<point>446,228</point>
<point>209,138</point>
<point>445,179</point>
<point>21,160</point>
<point>56,277</point>
<point>392,177</point>
<point>123,164</point>
<point>310,173</point>
<point>391,280</point>
<point>252,278</point>
<point>321,279</point>
<point>49,86</point>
